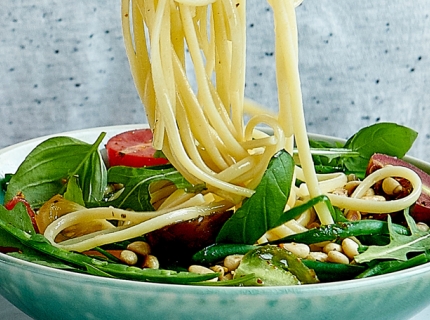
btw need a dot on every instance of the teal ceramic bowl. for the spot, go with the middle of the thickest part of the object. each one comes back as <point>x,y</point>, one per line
<point>46,293</point>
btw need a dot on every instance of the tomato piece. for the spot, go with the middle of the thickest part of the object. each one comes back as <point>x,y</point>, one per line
<point>133,149</point>
<point>13,202</point>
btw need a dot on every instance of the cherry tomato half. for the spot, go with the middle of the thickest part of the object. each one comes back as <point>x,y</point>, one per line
<point>134,149</point>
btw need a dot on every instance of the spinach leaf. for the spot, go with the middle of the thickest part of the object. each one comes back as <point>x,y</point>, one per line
<point>262,211</point>
<point>136,181</point>
<point>46,170</point>
<point>387,138</point>
<point>19,218</point>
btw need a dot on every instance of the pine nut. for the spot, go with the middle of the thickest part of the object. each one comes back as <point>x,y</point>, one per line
<point>353,215</point>
<point>199,269</point>
<point>128,257</point>
<point>317,256</point>
<point>337,257</point>
<point>391,186</point>
<point>151,262</point>
<point>332,246</point>
<point>301,250</point>
<point>140,247</point>
<point>220,269</point>
<point>232,262</point>
<point>350,186</point>
<point>202,270</point>
<point>423,226</point>
<point>350,248</point>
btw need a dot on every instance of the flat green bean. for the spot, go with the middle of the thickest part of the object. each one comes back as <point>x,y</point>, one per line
<point>342,230</point>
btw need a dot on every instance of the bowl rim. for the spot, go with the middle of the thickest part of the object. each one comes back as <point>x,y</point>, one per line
<point>403,275</point>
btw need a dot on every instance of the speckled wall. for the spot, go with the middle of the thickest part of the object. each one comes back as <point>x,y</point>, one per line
<point>63,66</point>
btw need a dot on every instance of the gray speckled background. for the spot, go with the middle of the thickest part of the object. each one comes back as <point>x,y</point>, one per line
<point>63,66</point>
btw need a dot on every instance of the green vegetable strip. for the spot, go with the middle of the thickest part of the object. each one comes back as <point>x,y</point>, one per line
<point>218,252</point>
<point>342,230</point>
<point>327,271</point>
<point>97,267</point>
<point>384,267</point>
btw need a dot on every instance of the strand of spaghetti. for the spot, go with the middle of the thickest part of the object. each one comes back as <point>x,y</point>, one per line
<point>188,141</point>
<point>299,125</point>
<point>223,54</point>
<point>110,236</point>
<point>161,87</point>
<point>177,34</point>
<point>204,91</point>
<point>237,22</point>
<point>196,3</point>
<point>356,203</point>
<point>198,122</point>
<point>138,56</point>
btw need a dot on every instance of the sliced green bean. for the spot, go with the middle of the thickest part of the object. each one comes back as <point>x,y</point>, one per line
<point>218,252</point>
<point>384,267</point>
<point>98,267</point>
<point>342,230</point>
<point>327,271</point>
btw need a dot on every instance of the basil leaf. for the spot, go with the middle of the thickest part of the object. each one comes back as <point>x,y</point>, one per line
<point>387,138</point>
<point>74,192</point>
<point>46,170</point>
<point>136,181</point>
<point>262,211</point>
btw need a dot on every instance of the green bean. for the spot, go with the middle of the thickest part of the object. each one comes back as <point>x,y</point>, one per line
<point>102,268</point>
<point>327,271</point>
<point>342,230</point>
<point>384,267</point>
<point>217,252</point>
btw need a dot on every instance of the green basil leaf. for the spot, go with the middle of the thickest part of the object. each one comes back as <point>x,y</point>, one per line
<point>74,191</point>
<point>46,170</point>
<point>387,138</point>
<point>136,181</point>
<point>262,211</point>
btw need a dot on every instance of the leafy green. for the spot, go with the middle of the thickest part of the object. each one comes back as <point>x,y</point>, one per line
<point>19,218</point>
<point>74,191</point>
<point>400,245</point>
<point>94,266</point>
<point>387,138</point>
<point>274,266</point>
<point>136,181</point>
<point>30,255</point>
<point>262,211</point>
<point>46,170</point>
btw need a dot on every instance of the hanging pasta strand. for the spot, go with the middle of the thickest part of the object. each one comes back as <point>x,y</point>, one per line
<point>208,141</point>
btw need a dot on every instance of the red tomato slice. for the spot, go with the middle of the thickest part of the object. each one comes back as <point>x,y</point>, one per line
<point>13,202</point>
<point>134,149</point>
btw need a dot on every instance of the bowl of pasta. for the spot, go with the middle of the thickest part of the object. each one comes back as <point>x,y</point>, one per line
<point>50,288</point>
<point>203,215</point>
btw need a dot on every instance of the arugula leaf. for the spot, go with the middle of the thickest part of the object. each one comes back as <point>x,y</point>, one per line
<point>46,170</point>
<point>136,181</point>
<point>262,211</point>
<point>387,138</point>
<point>400,245</point>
